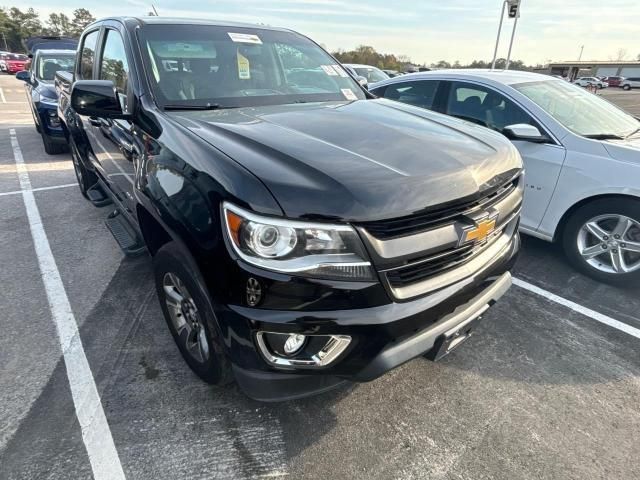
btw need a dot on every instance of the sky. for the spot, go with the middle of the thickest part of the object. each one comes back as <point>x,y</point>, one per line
<point>425,30</point>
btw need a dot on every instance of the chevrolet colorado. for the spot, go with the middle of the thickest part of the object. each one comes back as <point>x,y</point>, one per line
<point>303,233</point>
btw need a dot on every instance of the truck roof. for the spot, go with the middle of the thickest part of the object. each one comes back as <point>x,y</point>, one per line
<point>189,21</point>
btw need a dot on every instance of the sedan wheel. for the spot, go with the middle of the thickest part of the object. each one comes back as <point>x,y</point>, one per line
<point>611,243</point>
<point>602,239</point>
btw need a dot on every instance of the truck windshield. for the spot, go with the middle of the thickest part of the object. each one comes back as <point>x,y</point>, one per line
<point>581,112</point>
<point>49,64</point>
<point>201,65</point>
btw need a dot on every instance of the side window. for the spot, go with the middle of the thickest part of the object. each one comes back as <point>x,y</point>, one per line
<point>420,93</point>
<point>114,66</point>
<point>485,107</point>
<point>88,55</point>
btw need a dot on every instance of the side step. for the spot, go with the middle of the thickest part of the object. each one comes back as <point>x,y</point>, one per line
<point>122,232</point>
<point>97,196</point>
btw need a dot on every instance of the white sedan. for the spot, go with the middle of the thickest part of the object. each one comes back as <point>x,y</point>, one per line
<point>588,81</point>
<point>581,155</point>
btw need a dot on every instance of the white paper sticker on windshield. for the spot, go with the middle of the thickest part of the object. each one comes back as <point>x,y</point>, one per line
<point>348,94</point>
<point>245,38</point>
<point>244,70</point>
<point>340,71</point>
<point>328,70</point>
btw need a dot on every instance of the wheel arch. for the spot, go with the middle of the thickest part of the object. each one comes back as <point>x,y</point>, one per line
<point>560,227</point>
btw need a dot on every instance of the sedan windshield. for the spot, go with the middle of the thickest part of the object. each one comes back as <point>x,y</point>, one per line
<point>48,65</point>
<point>581,112</point>
<point>205,66</point>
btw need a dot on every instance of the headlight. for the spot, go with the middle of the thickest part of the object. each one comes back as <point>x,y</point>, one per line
<point>301,248</point>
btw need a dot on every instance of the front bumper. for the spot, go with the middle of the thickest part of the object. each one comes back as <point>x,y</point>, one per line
<point>384,336</point>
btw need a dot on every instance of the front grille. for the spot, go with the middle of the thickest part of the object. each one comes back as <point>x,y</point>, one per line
<point>409,225</point>
<point>436,264</point>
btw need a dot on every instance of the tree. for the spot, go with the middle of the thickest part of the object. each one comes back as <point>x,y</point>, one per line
<point>59,24</point>
<point>81,18</point>
<point>620,55</point>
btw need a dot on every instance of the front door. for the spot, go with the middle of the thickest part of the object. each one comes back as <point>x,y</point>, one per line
<point>112,140</point>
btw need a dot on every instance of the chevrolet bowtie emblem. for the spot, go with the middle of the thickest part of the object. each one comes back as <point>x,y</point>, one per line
<point>479,232</point>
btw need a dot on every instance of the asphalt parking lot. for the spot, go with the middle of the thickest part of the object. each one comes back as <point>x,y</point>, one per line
<point>549,387</point>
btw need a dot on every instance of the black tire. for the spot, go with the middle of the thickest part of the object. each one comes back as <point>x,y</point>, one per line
<point>609,206</point>
<point>626,87</point>
<point>86,179</point>
<point>171,259</point>
<point>51,147</point>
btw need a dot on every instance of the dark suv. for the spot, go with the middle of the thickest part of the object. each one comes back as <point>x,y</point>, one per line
<point>302,232</point>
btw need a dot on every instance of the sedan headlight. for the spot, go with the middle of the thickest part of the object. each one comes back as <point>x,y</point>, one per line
<point>311,249</point>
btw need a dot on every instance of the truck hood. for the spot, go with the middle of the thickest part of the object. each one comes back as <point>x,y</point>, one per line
<point>357,161</point>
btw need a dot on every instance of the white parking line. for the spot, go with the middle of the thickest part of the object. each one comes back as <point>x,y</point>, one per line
<point>4,100</point>
<point>39,189</point>
<point>96,434</point>
<point>597,316</point>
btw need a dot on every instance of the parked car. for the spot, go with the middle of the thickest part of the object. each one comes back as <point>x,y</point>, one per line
<point>42,96</point>
<point>392,73</point>
<point>614,81</point>
<point>631,82</point>
<point>581,154</point>
<point>300,236</point>
<point>15,62</point>
<point>3,63</point>
<point>372,74</point>
<point>590,81</point>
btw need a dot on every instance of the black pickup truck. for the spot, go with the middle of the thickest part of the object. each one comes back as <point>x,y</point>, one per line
<point>303,233</point>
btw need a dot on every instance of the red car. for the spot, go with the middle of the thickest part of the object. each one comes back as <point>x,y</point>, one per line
<point>614,81</point>
<point>16,62</point>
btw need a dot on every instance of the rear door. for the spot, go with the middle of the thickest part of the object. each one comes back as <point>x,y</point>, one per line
<point>492,109</point>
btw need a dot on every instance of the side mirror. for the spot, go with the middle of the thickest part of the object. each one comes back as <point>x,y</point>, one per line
<point>363,81</point>
<point>525,132</point>
<point>96,98</point>
<point>24,75</point>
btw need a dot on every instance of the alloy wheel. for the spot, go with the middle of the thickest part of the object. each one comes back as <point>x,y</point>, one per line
<point>185,317</point>
<point>610,243</point>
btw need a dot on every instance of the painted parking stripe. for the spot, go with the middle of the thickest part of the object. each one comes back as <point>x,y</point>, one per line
<point>599,317</point>
<point>39,189</point>
<point>4,100</point>
<point>96,434</point>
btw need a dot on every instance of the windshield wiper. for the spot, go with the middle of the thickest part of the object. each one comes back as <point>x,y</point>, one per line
<point>208,106</point>
<point>604,136</point>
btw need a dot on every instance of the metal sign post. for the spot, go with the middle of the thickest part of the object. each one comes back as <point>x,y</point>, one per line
<point>514,12</point>
<point>495,51</point>
<point>513,9</point>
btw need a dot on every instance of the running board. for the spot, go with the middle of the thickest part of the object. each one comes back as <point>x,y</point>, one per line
<point>97,196</point>
<point>122,232</point>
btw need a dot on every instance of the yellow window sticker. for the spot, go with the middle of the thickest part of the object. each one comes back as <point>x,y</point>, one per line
<point>244,71</point>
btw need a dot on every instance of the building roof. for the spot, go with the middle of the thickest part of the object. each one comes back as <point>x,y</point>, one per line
<point>587,63</point>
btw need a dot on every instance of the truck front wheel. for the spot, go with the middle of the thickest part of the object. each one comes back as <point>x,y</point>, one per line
<point>187,310</point>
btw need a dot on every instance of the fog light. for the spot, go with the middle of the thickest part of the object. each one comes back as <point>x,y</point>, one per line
<point>294,343</point>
